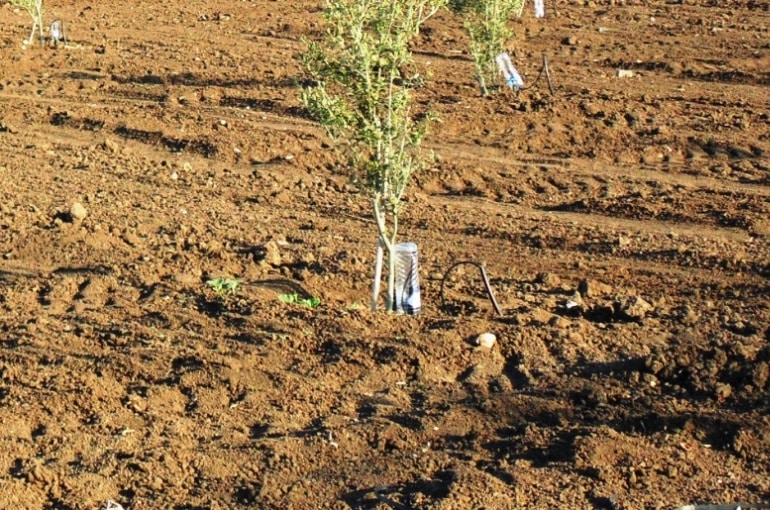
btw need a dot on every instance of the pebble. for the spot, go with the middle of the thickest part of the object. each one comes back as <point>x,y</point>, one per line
<point>486,340</point>
<point>760,228</point>
<point>78,212</point>
<point>110,145</point>
<point>271,253</point>
<point>593,288</point>
<point>636,308</point>
<point>547,279</point>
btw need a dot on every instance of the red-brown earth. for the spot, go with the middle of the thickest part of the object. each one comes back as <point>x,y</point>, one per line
<point>177,126</point>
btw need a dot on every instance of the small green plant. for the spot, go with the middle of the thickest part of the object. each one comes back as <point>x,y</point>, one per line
<point>363,75</point>
<point>355,305</point>
<point>35,10</point>
<point>294,299</point>
<point>487,25</point>
<point>224,286</point>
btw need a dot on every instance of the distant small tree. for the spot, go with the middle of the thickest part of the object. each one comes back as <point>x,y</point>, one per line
<point>35,10</point>
<point>487,25</point>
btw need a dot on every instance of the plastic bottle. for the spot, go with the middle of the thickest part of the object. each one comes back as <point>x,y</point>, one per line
<point>407,291</point>
<point>57,31</point>
<point>512,76</point>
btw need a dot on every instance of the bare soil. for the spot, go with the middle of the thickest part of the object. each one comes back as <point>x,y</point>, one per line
<point>624,222</point>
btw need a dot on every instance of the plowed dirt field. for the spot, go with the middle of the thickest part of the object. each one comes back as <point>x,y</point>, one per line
<point>624,223</point>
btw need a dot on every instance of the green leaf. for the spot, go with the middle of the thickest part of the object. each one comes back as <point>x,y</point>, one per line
<point>224,286</point>
<point>294,299</point>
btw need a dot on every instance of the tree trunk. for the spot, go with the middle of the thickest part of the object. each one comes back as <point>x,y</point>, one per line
<point>32,34</point>
<point>377,275</point>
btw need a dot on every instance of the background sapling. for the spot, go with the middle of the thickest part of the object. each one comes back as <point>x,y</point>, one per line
<point>35,10</point>
<point>487,24</point>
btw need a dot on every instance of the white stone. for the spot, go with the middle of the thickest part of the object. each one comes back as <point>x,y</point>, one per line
<point>77,211</point>
<point>486,340</point>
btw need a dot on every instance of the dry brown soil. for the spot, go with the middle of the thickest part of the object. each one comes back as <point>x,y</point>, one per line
<point>624,222</point>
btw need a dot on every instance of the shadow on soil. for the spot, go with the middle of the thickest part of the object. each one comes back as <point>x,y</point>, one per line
<point>398,497</point>
<point>197,80</point>
<point>202,147</point>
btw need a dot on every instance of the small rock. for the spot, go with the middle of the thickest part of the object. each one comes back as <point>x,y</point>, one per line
<point>760,375</point>
<point>537,316</point>
<point>78,212</point>
<point>547,279</point>
<point>760,228</point>
<point>486,340</point>
<point>501,384</point>
<point>156,483</point>
<point>570,41</point>
<point>8,128</point>
<point>635,308</point>
<point>652,156</point>
<point>593,110</point>
<point>723,391</point>
<point>271,254</point>
<point>650,380</point>
<point>687,315</point>
<point>110,145</point>
<point>131,239</point>
<point>559,322</point>
<point>593,288</point>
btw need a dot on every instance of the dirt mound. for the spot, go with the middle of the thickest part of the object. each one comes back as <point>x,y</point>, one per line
<point>725,369</point>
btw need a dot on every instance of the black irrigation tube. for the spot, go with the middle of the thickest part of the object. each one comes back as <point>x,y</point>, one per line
<point>484,277</point>
<point>547,76</point>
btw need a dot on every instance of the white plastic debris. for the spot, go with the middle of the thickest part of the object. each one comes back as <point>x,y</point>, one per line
<point>512,76</point>
<point>570,304</point>
<point>539,8</point>
<point>57,32</point>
